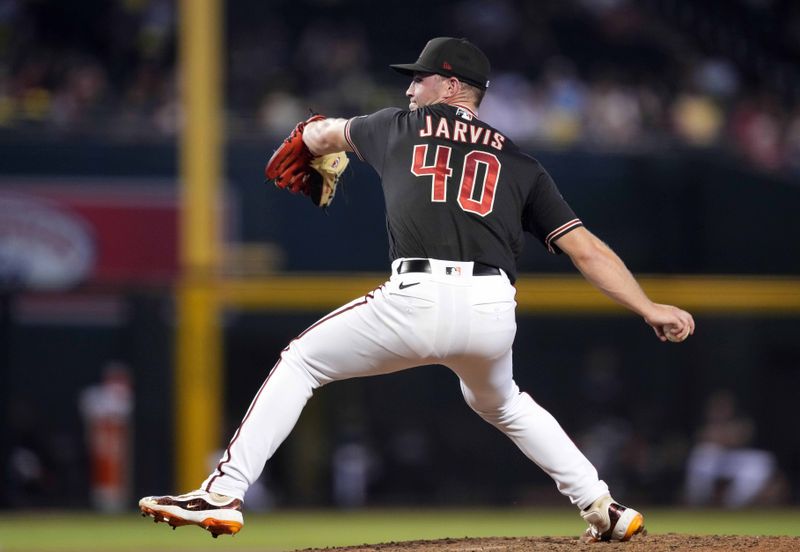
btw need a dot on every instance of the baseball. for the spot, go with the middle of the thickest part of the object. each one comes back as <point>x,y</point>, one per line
<point>674,338</point>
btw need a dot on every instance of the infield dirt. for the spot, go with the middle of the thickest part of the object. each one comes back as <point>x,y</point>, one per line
<point>651,543</point>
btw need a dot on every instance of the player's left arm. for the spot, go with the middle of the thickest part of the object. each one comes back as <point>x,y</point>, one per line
<point>606,271</point>
<point>326,136</point>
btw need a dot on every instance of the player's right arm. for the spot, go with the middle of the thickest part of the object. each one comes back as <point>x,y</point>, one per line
<point>606,271</point>
<point>326,136</point>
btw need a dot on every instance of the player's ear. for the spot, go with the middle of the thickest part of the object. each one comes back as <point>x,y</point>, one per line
<point>453,86</point>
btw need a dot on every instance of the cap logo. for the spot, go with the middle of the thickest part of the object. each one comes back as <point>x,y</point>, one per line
<point>447,66</point>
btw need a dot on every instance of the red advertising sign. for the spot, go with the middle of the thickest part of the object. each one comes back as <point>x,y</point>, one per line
<point>56,233</point>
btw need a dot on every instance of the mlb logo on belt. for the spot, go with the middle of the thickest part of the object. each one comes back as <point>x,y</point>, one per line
<point>452,270</point>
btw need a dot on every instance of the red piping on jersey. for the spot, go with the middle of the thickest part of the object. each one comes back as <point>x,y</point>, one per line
<point>350,141</point>
<point>344,309</point>
<point>560,231</point>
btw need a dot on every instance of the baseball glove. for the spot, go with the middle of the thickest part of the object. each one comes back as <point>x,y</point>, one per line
<point>294,168</point>
<point>324,178</point>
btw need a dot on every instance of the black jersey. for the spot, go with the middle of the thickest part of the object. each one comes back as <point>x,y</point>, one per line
<point>456,188</point>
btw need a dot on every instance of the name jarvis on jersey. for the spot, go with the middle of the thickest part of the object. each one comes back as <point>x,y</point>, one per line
<point>459,131</point>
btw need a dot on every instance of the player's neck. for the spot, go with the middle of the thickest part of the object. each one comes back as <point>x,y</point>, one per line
<point>462,100</point>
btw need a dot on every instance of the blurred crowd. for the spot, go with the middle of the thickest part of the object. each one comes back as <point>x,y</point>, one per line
<point>616,75</point>
<point>718,460</point>
<point>89,67</point>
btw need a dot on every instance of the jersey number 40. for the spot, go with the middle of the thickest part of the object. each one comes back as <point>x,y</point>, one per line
<point>441,171</point>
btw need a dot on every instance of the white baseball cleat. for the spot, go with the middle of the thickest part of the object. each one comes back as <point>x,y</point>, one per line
<point>218,514</point>
<point>610,521</point>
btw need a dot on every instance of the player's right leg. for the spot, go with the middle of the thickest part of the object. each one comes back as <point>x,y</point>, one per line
<point>610,521</point>
<point>490,391</point>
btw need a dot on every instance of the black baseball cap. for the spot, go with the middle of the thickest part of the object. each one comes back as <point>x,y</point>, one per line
<point>451,57</point>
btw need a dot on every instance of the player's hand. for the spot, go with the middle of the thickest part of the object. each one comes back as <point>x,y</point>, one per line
<point>670,323</point>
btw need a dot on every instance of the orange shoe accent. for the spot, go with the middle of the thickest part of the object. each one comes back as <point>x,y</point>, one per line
<point>221,527</point>
<point>216,527</point>
<point>636,526</point>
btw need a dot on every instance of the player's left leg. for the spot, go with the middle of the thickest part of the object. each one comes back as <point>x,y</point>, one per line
<point>219,515</point>
<point>370,336</point>
<point>376,334</point>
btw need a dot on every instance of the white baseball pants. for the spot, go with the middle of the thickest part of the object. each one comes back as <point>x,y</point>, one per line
<point>448,317</point>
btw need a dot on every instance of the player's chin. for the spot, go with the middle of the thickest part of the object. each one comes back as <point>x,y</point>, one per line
<point>412,106</point>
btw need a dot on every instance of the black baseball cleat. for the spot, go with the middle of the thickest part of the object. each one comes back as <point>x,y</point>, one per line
<point>610,521</point>
<point>218,514</point>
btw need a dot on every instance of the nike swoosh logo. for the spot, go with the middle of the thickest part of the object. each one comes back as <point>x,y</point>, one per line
<point>403,285</point>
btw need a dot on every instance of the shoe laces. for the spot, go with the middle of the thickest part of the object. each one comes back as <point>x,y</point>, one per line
<point>597,515</point>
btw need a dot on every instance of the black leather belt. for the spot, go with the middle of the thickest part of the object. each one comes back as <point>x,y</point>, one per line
<point>423,265</point>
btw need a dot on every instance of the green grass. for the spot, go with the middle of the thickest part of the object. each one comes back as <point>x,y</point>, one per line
<point>290,530</point>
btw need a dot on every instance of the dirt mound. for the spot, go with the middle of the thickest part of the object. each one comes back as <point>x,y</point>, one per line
<point>651,543</point>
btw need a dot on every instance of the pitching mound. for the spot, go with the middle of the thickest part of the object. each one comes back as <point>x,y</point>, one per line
<point>651,543</point>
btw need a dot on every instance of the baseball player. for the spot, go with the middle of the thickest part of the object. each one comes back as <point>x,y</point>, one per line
<point>459,195</point>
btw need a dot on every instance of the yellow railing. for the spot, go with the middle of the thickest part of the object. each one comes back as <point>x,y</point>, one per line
<point>536,294</point>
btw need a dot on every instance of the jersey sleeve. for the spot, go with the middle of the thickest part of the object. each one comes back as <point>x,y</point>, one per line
<point>368,135</point>
<point>547,215</point>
